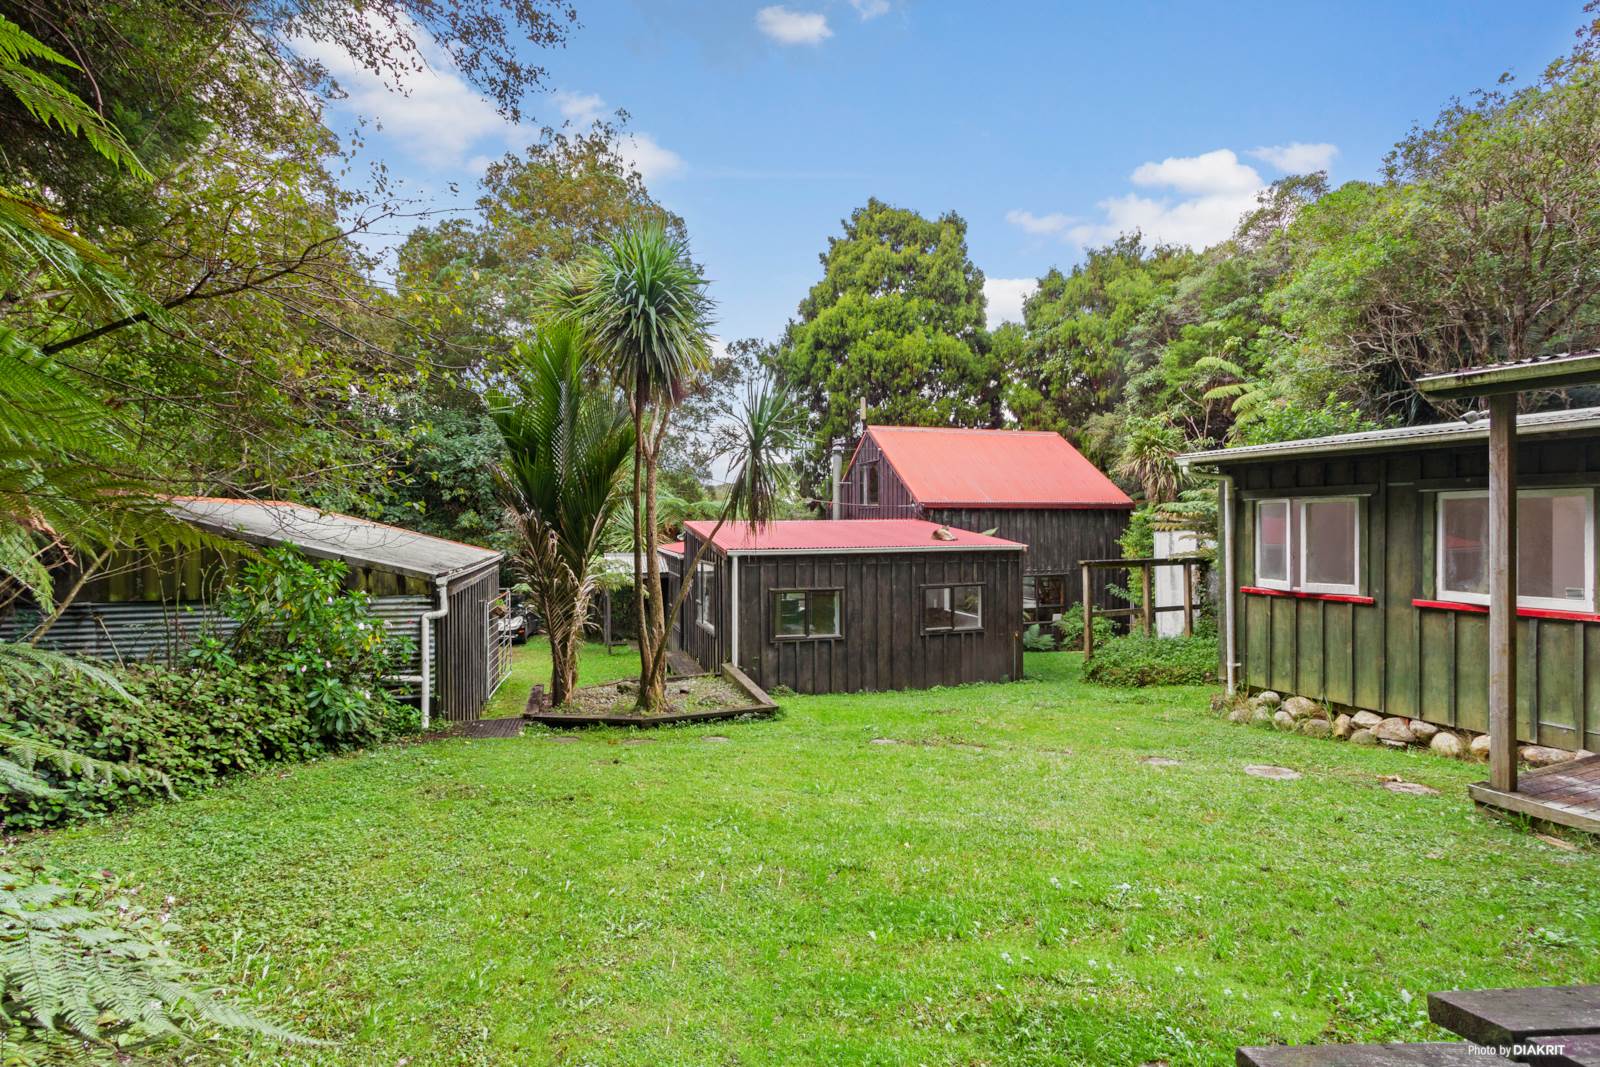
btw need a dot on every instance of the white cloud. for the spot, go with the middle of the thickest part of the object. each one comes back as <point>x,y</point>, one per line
<point>1040,225</point>
<point>1005,297</point>
<point>1296,157</point>
<point>647,156</point>
<point>1215,173</point>
<point>579,108</point>
<point>1184,200</point>
<point>793,27</point>
<point>437,114</point>
<point>870,9</point>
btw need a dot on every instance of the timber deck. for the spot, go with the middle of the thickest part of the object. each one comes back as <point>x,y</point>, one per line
<point>1567,794</point>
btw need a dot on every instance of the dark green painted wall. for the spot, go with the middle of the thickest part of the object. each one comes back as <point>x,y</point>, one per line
<point>1389,656</point>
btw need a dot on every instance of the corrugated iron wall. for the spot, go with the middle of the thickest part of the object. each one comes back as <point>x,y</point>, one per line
<point>143,632</point>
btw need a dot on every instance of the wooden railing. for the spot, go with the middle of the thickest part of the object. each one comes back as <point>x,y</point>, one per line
<point>1146,611</point>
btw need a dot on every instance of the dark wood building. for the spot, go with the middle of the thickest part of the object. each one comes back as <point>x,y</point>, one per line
<point>1357,567</point>
<point>823,607</point>
<point>438,592</point>
<point>1030,487</point>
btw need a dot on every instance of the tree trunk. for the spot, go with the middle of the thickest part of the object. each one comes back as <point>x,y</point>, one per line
<point>563,664</point>
<point>638,539</point>
<point>652,682</point>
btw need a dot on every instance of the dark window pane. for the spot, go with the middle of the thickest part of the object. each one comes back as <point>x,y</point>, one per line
<point>1466,544</point>
<point>1330,538</point>
<point>1552,560</point>
<point>791,614</point>
<point>1272,541</point>
<point>936,608</point>
<point>1052,592</point>
<point>1030,602</point>
<point>872,483</point>
<point>968,607</point>
<point>825,613</point>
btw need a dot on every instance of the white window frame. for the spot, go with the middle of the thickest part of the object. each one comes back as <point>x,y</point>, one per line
<point>704,604</point>
<point>1297,538</point>
<point>1287,581</point>
<point>1543,603</point>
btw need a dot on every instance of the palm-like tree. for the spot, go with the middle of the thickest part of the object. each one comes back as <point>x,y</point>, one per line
<point>1149,454</point>
<point>642,304</point>
<point>760,437</point>
<point>566,445</point>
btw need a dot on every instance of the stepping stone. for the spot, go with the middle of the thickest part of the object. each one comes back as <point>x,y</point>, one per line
<point>1426,1054</point>
<point>1159,761</point>
<point>883,741</point>
<point>638,740</point>
<point>563,739</point>
<point>1277,774</point>
<point>714,739</point>
<point>1416,789</point>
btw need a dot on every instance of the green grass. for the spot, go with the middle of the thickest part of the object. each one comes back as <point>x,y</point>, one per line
<point>532,665</point>
<point>1008,885</point>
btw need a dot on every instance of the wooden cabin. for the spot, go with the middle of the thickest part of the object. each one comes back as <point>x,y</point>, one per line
<point>868,604</point>
<point>1358,572</point>
<point>1027,486</point>
<point>438,592</point>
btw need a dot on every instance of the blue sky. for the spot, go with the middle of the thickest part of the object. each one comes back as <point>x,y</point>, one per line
<point>1047,126</point>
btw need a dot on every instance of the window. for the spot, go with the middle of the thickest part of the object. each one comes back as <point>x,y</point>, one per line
<point>1044,597</point>
<point>806,613</point>
<point>872,485</point>
<point>1311,544</point>
<point>952,608</point>
<point>705,601</point>
<point>1555,554</point>
<point>1272,543</point>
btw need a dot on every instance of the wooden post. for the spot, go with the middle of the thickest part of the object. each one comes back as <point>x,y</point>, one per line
<point>1148,617</point>
<point>1088,613</point>
<point>608,621</point>
<point>1188,598</point>
<point>1503,592</point>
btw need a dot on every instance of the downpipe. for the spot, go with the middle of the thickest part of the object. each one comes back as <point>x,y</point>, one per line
<point>441,589</point>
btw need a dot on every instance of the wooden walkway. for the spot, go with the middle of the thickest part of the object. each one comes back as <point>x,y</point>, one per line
<point>1566,793</point>
<point>481,728</point>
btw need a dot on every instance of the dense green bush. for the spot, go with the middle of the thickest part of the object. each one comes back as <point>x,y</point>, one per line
<point>1070,629</point>
<point>1136,660</point>
<point>298,623</point>
<point>193,727</point>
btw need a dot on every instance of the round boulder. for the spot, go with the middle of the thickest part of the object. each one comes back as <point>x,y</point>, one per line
<point>1394,728</point>
<point>1363,737</point>
<point>1343,727</point>
<point>1447,743</point>
<point>1283,720</point>
<point>1269,698</point>
<point>1240,715</point>
<point>1479,747</point>
<point>1423,732</point>
<point>1366,720</point>
<point>1316,728</point>
<point>1301,707</point>
<point>1260,716</point>
<point>1543,756</point>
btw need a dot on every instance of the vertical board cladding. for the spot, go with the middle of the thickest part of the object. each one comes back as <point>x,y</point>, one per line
<point>463,645</point>
<point>1058,539</point>
<point>1392,656</point>
<point>894,498</point>
<point>882,645</point>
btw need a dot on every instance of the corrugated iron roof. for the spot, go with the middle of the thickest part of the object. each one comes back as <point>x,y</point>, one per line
<point>846,535</point>
<point>946,467</point>
<point>331,535</point>
<point>1555,371</point>
<point>674,548</point>
<point>1435,434</point>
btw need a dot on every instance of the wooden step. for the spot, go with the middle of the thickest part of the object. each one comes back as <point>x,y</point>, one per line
<point>1574,1050</point>
<point>1425,1054</point>
<point>1496,1017</point>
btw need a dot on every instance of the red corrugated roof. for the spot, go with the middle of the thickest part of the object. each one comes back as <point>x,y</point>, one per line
<point>674,547</point>
<point>945,467</point>
<point>845,535</point>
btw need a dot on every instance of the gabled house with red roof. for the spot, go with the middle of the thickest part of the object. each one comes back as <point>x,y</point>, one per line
<point>1031,487</point>
<point>822,607</point>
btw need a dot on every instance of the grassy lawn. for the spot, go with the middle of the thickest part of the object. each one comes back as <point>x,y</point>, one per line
<point>1008,884</point>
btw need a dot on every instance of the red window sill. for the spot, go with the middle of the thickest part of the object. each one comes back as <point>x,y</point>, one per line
<point>1337,598</point>
<point>1522,613</point>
